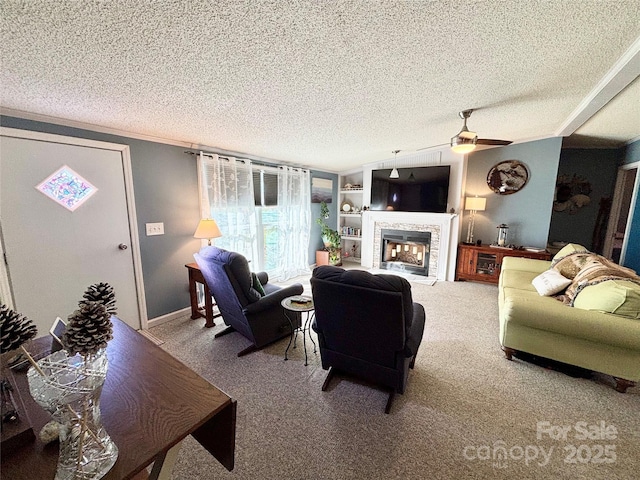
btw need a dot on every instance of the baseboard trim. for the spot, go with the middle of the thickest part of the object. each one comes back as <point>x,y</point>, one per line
<point>154,322</point>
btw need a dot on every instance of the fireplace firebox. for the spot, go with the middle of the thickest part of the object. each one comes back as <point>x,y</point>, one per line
<point>406,251</point>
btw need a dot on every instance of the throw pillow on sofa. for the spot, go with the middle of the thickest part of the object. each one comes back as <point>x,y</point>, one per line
<point>570,259</point>
<point>568,249</point>
<point>572,263</point>
<point>550,282</point>
<point>597,269</point>
<point>620,297</point>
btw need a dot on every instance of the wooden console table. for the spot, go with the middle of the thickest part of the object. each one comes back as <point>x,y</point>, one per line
<point>195,277</point>
<point>150,402</point>
<point>481,263</point>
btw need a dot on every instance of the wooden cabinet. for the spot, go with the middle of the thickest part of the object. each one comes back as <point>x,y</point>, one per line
<point>481,263</point>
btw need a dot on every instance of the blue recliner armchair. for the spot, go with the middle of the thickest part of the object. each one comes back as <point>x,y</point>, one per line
<point>367,326</point>
<point>260,318</point>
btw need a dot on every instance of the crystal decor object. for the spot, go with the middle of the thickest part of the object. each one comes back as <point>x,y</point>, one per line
<point>67,188</point>
<point>70,391</point>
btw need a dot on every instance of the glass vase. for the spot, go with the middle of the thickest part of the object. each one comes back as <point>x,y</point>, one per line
<point>70,391</point>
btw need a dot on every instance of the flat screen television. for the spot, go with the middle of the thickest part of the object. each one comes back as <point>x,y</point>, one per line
<point>418,189</point>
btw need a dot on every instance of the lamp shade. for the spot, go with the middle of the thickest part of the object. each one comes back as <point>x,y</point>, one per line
<point>475,203</point>
<point>207,228</point>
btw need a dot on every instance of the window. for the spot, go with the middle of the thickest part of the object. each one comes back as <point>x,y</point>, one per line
<point>265,188</point>
<point>265,197</point>
<point>263,212</point>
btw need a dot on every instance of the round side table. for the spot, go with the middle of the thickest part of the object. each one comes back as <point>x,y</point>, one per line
<point>299,304</point>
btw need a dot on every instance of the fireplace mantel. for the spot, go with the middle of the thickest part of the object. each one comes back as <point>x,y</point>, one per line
<point>445,226</point>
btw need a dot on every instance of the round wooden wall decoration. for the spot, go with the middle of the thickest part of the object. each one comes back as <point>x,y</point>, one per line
<point>507,177</point>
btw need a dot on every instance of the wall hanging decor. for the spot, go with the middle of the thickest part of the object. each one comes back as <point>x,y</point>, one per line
<point>321,190</point>
<point>572,193</point>
<point>507,177</point>
<point>67,188</point>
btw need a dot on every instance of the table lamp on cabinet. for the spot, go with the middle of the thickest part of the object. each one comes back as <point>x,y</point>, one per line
<point>473,204</point>
<point>207,228</point>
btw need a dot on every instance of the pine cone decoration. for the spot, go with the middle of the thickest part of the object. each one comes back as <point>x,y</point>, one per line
<point>88,330</point>
<point>15,329</point>
<point>103,293</point>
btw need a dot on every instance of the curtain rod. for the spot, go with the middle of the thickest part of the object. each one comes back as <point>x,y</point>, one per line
<point>254,162</point>
<point>210,155</point>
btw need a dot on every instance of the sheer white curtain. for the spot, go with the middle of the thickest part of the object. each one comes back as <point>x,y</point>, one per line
<point>274,237</point>
<point>226,187</point>
<point>294,218</point>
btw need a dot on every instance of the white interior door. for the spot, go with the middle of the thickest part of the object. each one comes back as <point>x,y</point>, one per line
<point>626,189</point>
<point>54,254</point>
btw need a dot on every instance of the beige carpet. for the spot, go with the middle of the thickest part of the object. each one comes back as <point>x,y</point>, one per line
<point>463,402</point>
<point>412,277</point>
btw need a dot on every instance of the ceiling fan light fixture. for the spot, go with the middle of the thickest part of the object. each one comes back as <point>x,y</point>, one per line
<point>463,145</point>
<point>465,140</point>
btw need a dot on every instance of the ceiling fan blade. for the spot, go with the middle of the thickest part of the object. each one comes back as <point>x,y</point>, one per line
<point>465,140</point>
<point>489,141</point>
<point>432,146</point>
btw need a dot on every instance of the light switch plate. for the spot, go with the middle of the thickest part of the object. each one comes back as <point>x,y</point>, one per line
<point>155,229</point>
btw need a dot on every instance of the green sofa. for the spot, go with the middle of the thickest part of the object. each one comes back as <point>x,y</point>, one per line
<point>544,326</point>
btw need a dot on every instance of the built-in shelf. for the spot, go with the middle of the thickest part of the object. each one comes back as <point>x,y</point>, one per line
<point>351,221</point>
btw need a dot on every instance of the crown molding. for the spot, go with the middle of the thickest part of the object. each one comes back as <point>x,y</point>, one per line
<point>37,117</point>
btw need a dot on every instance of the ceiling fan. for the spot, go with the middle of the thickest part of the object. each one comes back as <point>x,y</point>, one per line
<point>465,140</point>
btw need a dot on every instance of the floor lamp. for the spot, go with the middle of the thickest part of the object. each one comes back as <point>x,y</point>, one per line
<point>473,204</point>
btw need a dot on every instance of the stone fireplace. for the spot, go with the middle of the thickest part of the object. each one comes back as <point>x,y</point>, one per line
<point>439,258</point>
<point>405,250</point>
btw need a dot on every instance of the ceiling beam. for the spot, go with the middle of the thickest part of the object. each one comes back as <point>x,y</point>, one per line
<point>623,72</point>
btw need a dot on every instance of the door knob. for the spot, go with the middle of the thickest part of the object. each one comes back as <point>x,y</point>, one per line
<point>122,246</point>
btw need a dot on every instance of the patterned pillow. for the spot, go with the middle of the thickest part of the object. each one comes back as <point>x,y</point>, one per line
<point>571,264</point>
<point>568,249</point>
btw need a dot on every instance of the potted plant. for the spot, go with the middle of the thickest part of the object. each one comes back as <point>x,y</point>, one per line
<point>330,237</point>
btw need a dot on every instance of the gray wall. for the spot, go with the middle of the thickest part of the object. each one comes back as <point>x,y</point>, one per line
<point>599,167</point>
<point>166,190</point>
<point>528,211</point>
<point>315,241</point>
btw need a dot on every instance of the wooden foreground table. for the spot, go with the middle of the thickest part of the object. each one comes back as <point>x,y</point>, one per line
<point>150,402</point>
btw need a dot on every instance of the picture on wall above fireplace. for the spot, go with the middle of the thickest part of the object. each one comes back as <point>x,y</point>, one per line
<point>417,189</point>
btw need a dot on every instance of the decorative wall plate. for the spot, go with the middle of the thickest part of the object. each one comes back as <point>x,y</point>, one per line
<point>67,188</point>
<point>346,207</point>
<point>507,177</point>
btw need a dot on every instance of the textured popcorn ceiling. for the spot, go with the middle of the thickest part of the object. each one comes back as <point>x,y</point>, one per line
<point>327,84</point>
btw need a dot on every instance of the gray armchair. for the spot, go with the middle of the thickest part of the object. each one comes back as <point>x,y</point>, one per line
<point>367,326</point>
<point>243,305</point>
